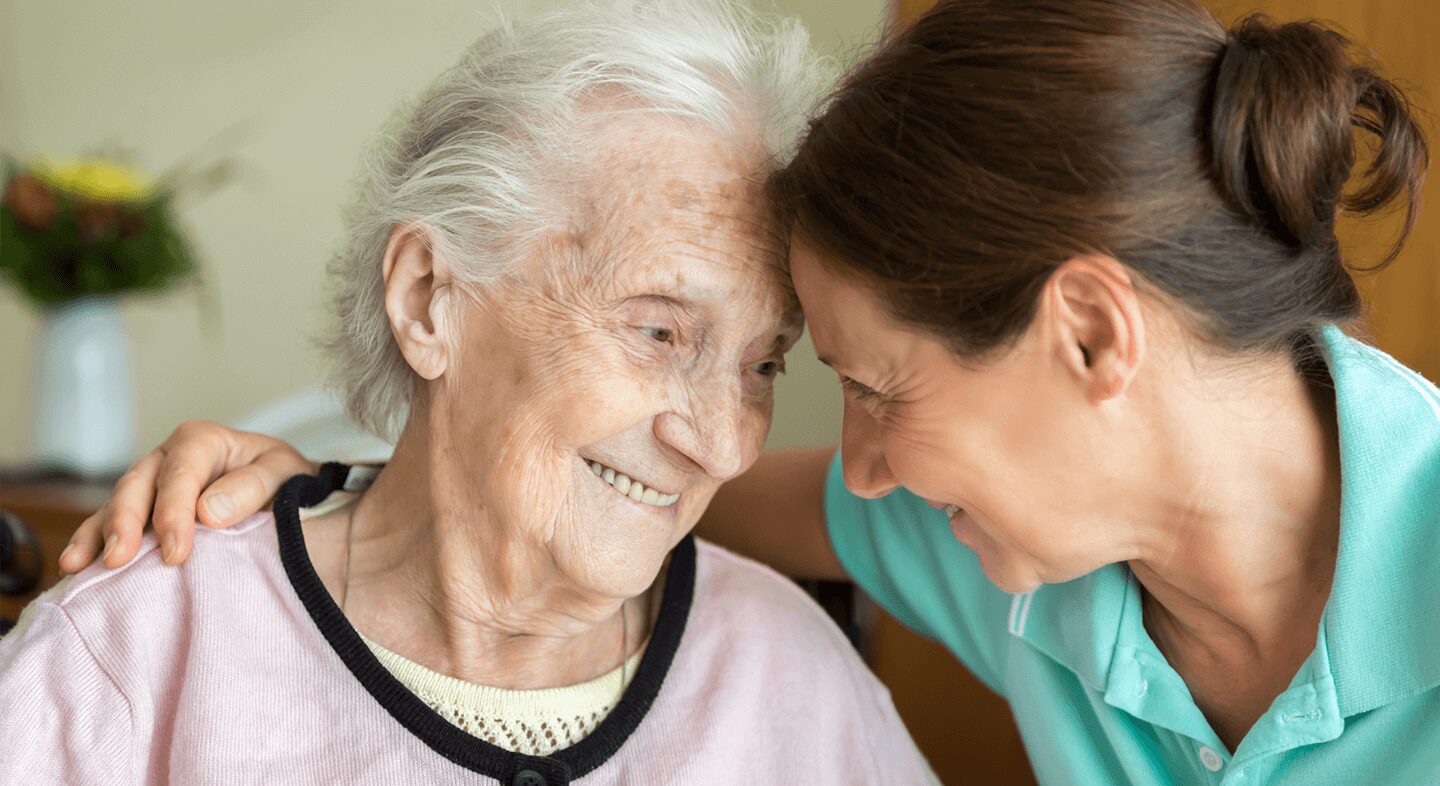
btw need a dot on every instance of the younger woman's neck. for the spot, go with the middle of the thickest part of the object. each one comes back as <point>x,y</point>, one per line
<point>1244,533</point>
<point>1245,508</point>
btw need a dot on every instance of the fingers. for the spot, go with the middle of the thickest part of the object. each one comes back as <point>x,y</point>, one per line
<point>248,489</point>
<point>85,543</point>
<point>167,484</point>
<point>195,455</point>
<point>117,526</point>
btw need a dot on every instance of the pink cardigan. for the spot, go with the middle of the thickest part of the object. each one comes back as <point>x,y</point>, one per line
<point>238,668</point>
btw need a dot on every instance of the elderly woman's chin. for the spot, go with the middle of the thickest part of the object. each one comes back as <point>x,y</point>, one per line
<point>506,483</point>
<point>625,524</point>
<point>616,545</point>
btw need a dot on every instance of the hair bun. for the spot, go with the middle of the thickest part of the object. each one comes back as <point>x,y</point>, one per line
<point>1285,102</point>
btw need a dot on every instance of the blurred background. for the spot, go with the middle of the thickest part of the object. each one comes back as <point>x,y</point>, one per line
<point>289,91</point>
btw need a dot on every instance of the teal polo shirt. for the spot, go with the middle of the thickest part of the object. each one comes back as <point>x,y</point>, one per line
<point>1096,702</point>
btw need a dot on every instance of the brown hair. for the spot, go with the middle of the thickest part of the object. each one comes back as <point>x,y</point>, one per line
<point>992,140</point>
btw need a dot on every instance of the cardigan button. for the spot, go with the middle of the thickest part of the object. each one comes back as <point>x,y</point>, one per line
<point>528,778</point>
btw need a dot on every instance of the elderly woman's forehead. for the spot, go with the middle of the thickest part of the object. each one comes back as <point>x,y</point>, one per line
<point>669,153</point>
<point>675,183</point>
<point>667,201</point>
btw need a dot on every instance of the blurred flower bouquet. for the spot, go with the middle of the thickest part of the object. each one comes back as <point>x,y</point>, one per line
<point>73,237</point>
<point>92,227</point>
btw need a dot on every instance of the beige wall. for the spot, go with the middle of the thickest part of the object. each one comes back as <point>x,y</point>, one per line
<point>8,121</point>
<point>295,87</point>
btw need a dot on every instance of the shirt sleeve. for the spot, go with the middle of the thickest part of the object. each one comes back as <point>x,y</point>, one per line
<point>901,553</point>
<point>62,719</point>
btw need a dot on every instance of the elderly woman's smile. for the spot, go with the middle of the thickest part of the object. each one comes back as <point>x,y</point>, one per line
<point>633,488</point>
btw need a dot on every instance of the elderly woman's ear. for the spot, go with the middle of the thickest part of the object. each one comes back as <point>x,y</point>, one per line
<point>418,293</point>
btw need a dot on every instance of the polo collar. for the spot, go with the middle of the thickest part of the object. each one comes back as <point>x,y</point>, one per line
<point>1383,617</point>
<point>1094,627</point>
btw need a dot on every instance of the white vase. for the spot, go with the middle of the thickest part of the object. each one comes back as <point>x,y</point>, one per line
<point>85,389</point>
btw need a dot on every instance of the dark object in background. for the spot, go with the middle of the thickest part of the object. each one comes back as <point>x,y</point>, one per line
<point>51,504</point>
<point>21,561</point>
<point>837,598</point>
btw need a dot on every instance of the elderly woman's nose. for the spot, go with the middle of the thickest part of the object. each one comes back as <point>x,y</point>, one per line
<point>711,436</point>
<point>862,456</point>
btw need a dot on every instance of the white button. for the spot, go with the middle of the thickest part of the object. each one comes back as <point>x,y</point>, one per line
<point>1211,759</point>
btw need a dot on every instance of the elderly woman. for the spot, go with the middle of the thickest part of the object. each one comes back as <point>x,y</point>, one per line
<point>564,291</point>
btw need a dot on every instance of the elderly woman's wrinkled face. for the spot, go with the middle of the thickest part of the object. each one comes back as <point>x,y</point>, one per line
<point>599,398</point>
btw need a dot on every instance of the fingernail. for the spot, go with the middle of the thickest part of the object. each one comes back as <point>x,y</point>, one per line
<point>66,553</point>
<point>167,547</point>
<point>220,506</point>
<point>110,545</point>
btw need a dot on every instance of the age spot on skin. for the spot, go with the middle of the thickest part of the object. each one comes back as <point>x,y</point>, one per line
<point>681,195</point>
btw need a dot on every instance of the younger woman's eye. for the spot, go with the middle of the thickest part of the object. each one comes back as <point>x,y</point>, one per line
<point>859,391</point>
<point>660,334</point>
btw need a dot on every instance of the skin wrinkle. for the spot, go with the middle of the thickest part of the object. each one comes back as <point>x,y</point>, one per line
<point>487,549</point>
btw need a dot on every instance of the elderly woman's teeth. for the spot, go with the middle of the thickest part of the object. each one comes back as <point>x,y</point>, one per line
<point>633,489</point>
<point>951,510</point>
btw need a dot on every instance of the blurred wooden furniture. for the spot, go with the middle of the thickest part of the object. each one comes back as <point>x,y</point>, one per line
<point>52,507</point>
<point>965,730</point>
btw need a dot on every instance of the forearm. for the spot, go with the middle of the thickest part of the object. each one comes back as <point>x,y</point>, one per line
<point>775,514</point>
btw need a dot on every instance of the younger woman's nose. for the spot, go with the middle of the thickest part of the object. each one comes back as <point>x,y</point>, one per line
<point>862,456</point>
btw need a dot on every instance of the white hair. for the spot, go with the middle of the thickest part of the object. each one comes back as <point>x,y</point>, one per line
<point>468,159</point>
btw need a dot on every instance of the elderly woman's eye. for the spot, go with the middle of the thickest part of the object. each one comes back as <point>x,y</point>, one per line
<point>663,335</point>
<point>770,368</point>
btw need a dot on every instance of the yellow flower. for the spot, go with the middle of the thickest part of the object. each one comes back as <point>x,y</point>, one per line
<point>95,179</point>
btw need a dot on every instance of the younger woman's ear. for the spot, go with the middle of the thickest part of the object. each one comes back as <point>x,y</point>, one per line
<point>417,297</point>
<point>1097,325</point>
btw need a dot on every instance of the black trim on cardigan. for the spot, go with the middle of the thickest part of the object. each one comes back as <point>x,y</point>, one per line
<point>439,734</point>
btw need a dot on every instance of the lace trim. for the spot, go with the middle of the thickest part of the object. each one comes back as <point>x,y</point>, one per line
<point>532,722</point>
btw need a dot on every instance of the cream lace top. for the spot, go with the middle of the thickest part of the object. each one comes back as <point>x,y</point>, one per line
<point>532,722</point>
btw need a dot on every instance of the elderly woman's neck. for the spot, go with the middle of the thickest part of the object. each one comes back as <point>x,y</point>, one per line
<point>433,577</point>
